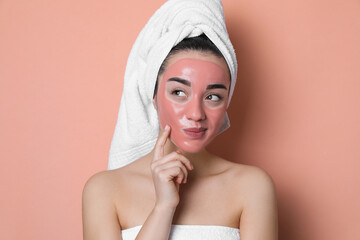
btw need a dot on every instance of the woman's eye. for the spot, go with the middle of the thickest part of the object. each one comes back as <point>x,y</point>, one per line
<point>179,93</point>
<point>213,97</point>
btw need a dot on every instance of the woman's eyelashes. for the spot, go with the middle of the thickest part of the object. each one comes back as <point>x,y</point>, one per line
<point>178,93</point>
<point>214,97</point>
<point>183,95</point>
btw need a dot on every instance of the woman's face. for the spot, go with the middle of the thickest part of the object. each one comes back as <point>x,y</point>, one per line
<point>192,97</point>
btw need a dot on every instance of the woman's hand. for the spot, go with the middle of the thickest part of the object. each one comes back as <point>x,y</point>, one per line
<point>168,172</point>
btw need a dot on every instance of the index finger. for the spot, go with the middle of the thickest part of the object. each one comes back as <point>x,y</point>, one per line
<point>160,143</point>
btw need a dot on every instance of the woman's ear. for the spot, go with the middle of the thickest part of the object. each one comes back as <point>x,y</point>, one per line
<point>154,102</point>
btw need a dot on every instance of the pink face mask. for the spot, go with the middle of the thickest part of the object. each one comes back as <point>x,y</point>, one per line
<point>192,99</point>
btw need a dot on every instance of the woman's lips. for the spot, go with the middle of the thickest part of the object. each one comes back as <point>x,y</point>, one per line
<point>195,132</point>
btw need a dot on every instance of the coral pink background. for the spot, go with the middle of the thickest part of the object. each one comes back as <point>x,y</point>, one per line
<point>295,112</point>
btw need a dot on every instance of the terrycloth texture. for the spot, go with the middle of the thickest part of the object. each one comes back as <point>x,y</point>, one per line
<point>191,232</point>
<point>137,126</point>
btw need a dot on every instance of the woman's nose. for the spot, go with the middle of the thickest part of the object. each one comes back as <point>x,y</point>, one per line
<point>195,110</point>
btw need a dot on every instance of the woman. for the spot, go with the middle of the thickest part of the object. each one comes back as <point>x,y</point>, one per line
<point>179,190</point>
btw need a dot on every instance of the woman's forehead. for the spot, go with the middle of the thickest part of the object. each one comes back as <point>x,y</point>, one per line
<point>197,65</point>
<point>196,71</point>
<point>193,54</point>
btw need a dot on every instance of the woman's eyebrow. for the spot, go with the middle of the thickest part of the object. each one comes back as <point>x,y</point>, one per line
<point>213,86</point>
<point>180,80</point>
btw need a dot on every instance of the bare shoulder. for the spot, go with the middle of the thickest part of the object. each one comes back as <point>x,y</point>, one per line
<point>252,179</point>
<point>105,186</point>
<point>100,220</point>
<point>98,193</point>
<point>102,182</point>
<point>251,184</point>
<point>111,187</point>
<point>257,196</point>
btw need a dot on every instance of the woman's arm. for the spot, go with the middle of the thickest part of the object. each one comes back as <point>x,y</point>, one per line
<point>100,219</point>
<point>98,210</point>
<point>158,224</point>
<point>259,216</point>
<point>168,172</point>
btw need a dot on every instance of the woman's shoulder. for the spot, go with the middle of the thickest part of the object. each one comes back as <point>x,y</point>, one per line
<point>250,172</point>
<point>98,187</point>
<point>247,178</point>
<point>254,186</point>
<point>107,180</point>
<point>99,179</point>
<point>100,200</point>
<point>110,183</point>
<point>102,185</point>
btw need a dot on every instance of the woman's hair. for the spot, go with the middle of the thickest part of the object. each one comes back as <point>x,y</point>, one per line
<point>200,43</point>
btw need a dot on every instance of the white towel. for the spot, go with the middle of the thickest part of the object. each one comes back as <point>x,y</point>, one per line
<point>137,126</point>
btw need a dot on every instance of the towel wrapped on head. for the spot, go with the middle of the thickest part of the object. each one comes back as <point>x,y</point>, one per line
<point>137,127</point>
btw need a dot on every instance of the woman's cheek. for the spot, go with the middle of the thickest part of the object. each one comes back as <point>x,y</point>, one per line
<point>164,119</point>
<point>167,114</point>
<point>216,118</point>
<point>174,112</point>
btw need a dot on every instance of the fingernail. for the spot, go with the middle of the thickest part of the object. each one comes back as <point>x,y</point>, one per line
<point>178,151</point>
<point>166,127</point>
